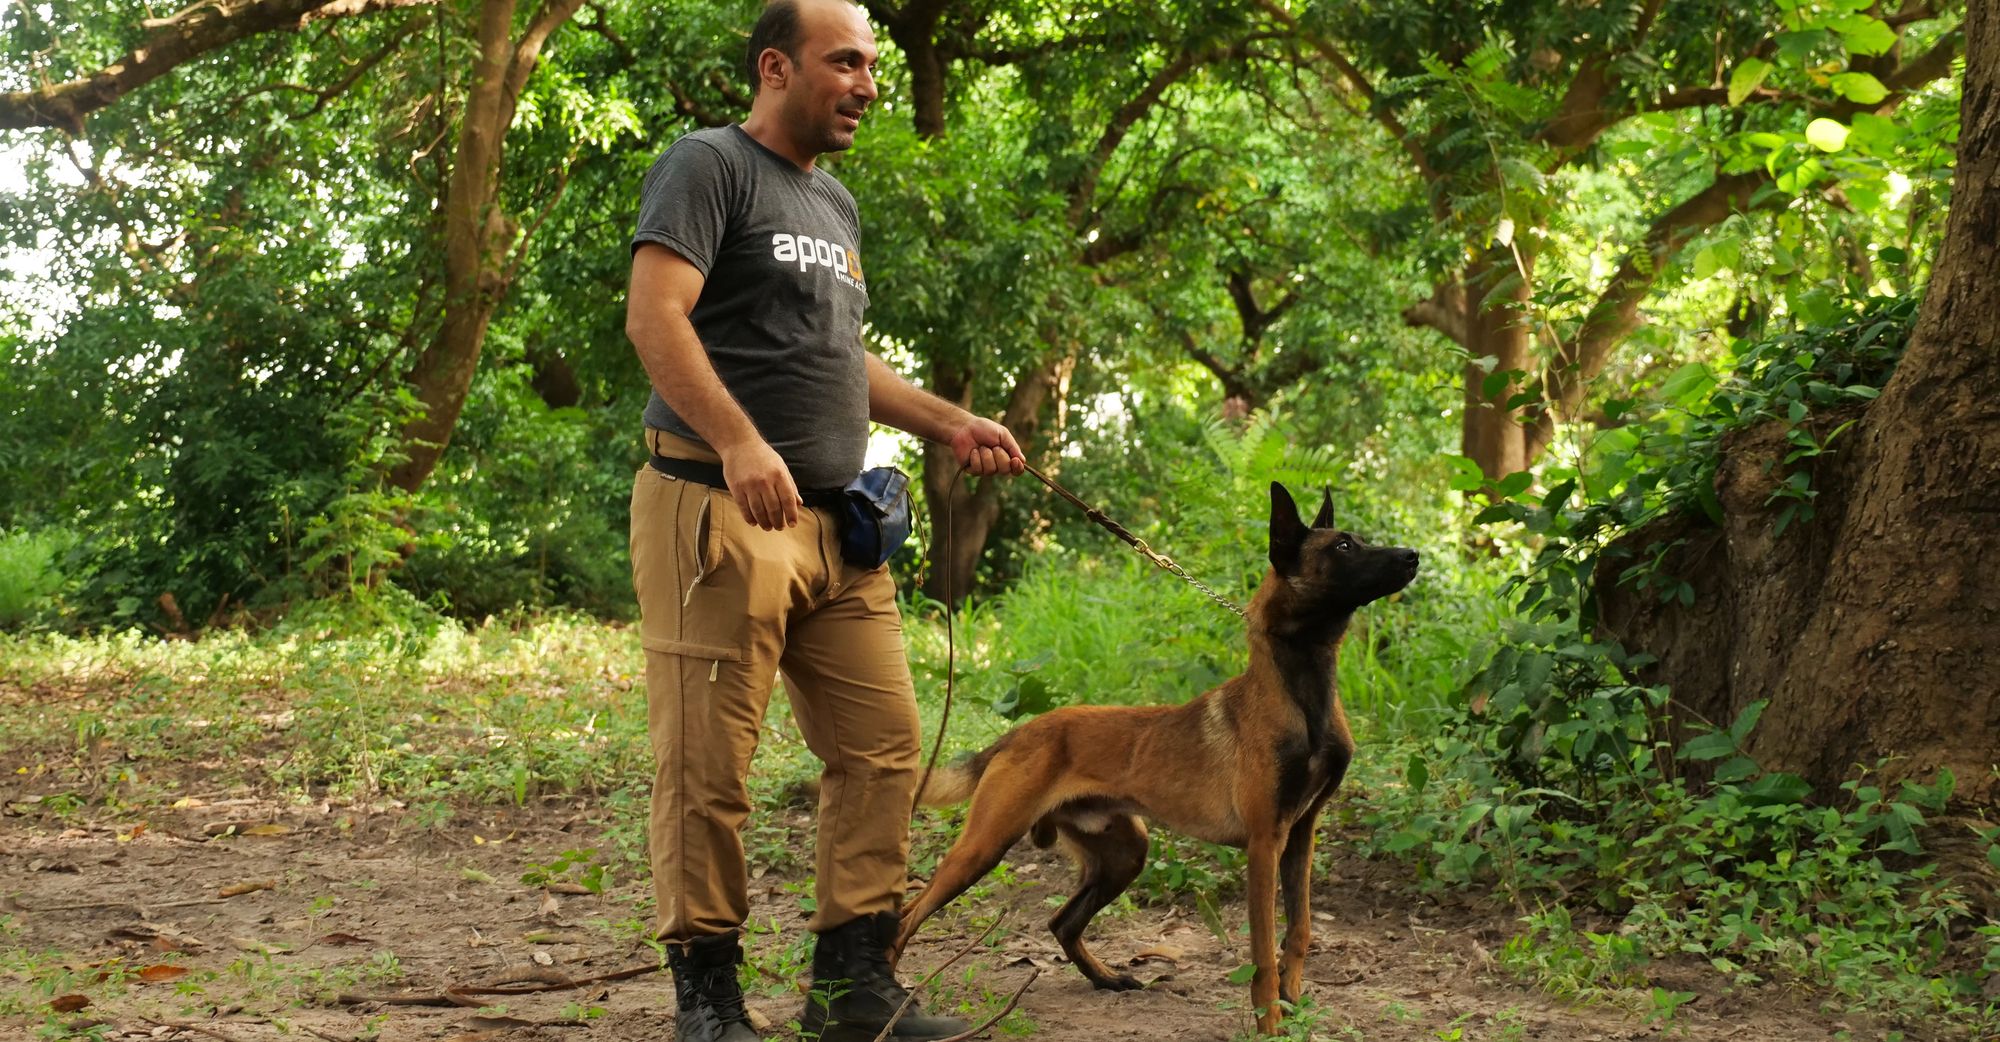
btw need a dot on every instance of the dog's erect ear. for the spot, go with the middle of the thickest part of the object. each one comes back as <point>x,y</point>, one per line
<point>1287,532</point>
<point>1325,517</point>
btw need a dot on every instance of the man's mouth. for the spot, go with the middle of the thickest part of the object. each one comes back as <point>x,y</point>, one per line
<point>853,118</point>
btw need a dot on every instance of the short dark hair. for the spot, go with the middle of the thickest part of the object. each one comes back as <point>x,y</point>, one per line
<point>777,27</point>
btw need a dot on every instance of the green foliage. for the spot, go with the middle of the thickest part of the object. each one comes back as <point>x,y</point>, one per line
<point>1091,623</point>
<point>1631,474</point>
<point>1558,777</point>
<point>31,575</point>
<point>529,508</point>
<point>591,874</point>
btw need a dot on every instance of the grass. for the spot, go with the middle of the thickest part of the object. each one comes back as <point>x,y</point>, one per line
<point>445,720</point>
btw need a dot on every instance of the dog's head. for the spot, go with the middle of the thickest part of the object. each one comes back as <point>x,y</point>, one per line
<point>1328,570</point>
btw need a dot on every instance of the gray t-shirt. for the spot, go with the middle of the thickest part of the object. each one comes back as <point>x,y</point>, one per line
<point>780,312</point>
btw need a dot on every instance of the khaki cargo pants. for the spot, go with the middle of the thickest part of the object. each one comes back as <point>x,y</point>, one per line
<point>724,608</point>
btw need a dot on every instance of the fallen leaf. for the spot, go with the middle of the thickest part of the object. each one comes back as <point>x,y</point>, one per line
<point>247,887</point>
<point>1161,952</point>
<point>550,906</point>
<point>563,886</point>
<point>474,875</point>
<point>272,829</point>
<point>542,958</point>
<point>344,939</point>
<point>69,1003</point>
<point>161,974</point>
<point>257,947</point>
<point>187,803</point>
<point>492,1024</point>
<point>137,831</point>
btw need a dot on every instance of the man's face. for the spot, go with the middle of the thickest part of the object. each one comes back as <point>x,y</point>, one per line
<point>833,80</point>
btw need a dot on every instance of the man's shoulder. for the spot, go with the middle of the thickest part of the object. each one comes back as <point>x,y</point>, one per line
<point>720,142</point>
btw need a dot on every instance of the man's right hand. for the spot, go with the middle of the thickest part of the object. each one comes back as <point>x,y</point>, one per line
<point>762,486</point>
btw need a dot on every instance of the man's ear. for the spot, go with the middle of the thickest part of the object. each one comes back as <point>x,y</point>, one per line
<point>1287,533</point>
<point>1325,517</point>
<point>774,68</point>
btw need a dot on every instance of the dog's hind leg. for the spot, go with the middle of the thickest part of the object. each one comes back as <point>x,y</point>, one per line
<point>1001,812</point>
<point>1107,861</point>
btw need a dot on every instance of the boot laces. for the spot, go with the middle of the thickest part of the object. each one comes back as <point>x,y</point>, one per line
<point>722,994</point>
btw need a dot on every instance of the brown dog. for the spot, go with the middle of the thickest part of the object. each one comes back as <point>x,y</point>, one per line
<point>1248,764</point>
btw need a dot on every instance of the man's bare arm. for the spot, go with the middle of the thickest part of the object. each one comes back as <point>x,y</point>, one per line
<point>981,445</point>
<point>663,291</point>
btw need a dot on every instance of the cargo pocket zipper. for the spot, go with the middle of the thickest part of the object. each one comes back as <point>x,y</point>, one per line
<point>702,566</point>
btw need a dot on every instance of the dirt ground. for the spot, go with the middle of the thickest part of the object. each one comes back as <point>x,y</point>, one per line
<point>349,914</point>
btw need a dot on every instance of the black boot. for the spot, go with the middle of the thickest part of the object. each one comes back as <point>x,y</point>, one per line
<point>710,998</point>
<point>854,993</point>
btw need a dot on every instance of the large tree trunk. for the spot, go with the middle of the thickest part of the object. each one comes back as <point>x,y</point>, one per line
<point>1874,630</point>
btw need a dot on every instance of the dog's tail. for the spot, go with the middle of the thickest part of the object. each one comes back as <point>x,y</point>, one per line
<point>953,783</point>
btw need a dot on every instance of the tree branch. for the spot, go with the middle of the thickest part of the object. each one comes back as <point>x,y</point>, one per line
<point>1122,122</point>
<point>1444,311</point>
<point>171,43</point>
<point>1616,313</point>
<point>526,52</point>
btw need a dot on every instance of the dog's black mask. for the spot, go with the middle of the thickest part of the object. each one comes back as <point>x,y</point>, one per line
<point>1328,569</point>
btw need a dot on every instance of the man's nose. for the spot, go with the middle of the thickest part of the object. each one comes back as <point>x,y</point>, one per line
<point>866,88</point>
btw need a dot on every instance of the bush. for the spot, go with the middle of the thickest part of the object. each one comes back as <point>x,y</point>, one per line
<point>31,575</point>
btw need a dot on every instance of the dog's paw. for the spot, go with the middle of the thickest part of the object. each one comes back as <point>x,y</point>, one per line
<point>1121,982</point>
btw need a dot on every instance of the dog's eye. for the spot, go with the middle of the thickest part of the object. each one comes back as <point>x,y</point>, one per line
<point>1343,546</point>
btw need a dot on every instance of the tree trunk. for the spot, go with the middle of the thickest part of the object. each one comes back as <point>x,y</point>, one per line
<point>927,75</point>
<point>957,543</point>
<point>477,234</point>
<point>1874,630</point>
<point>1496,325</point>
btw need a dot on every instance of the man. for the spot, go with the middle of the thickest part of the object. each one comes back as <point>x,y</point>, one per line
<point>746,302</point>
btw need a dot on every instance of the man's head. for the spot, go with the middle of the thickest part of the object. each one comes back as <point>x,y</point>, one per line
<point>812,68</point>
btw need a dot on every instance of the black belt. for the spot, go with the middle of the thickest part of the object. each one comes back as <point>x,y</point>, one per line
<point>710,474</point>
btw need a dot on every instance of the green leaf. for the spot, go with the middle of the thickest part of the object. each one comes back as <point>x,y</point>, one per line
<point>1509,818</point>
<point>1861,34</point>
<point>1514,484</point>
<point>1826,135</point>
<point>1465,474</point>
<point>1746,721</point>
<point>1858,87</point>
<point>1776,789</point>
<point>1747,78</point>
<point>1688,385</point>
<point>1417,773</point>
<point>1711,746</point>
<point>1243,973</point>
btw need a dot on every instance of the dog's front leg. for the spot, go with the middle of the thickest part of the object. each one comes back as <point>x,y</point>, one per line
<point>1263,894</point>
<point>1295,875</point>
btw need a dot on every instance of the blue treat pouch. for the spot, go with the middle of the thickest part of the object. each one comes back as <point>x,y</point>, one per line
<point>875,517</point>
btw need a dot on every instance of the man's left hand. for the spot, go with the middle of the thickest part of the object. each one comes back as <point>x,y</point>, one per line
<point>984,447</point>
